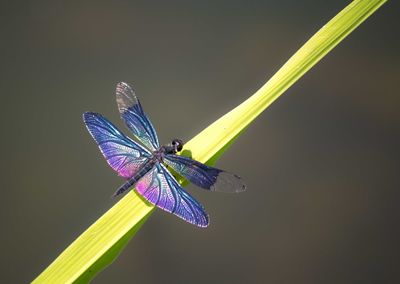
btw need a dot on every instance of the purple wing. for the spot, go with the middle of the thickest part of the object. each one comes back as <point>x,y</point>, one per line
<point>160,188</point>
<point>204,176</point>
<point>134,117</point>
<point>123,154</point>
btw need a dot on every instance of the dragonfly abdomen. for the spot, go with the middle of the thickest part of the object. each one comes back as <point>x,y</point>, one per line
<point>136,177</point>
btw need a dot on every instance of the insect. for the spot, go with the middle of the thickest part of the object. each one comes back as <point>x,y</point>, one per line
<point>145,166</point>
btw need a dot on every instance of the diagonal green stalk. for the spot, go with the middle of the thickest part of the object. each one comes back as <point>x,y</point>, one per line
<point>101,243</point>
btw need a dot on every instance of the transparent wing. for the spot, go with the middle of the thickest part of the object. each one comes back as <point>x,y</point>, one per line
<point>134,117</point>
<point>161,189</point>
<point>204,176</point>
<point>123,154</point>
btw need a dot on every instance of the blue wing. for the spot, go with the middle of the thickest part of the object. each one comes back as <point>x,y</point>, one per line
<point>122,153</point>
<point>134,117</point>
<point>160,188</point>
<point>204,176</point>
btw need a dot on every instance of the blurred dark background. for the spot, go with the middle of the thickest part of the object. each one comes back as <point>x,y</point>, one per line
<point>322,163</point>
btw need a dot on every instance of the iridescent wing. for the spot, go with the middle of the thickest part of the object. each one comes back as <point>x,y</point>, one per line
<point>123,154</point>
<point>204,176</point>
<point>160,188</point>
<point>134,117</point>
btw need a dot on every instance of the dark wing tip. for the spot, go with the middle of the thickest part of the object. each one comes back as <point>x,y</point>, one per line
<point>200,221</point>
<point>203,225</point>
<point>124,88</point>
<point>125,96</point>
<point>241,185</point>
<point>203,222</point>
<point>88,116</point>
<point>228,182</point>
<point>123,84</point>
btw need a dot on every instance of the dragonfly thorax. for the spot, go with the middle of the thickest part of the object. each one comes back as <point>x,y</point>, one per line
<point>173,148</point>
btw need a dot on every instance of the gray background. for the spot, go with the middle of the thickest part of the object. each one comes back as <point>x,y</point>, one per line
<point>322,163</point>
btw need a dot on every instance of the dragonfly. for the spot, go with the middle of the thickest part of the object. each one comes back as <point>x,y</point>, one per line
<point>144,165</point>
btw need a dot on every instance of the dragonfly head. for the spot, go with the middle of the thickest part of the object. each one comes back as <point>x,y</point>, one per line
<point>177,145</point>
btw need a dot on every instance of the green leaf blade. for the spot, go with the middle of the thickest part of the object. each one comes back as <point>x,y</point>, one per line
<point>232,123</point>
<point>100,243</point>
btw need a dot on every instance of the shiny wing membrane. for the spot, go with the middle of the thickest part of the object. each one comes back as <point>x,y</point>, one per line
<point>123,154</point>
<point>160,188</point>
<point>134,117</point>
<point>204,176</point>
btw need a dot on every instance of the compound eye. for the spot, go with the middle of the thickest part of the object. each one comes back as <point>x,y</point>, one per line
<point>179,148</point>
<point>178,144</point>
